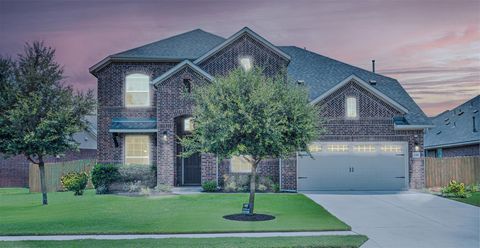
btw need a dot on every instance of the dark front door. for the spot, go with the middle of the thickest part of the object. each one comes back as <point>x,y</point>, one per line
<point>188,169</point>
<point>191,170</point>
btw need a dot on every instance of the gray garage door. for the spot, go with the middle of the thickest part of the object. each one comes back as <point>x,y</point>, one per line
<point>354,166</point>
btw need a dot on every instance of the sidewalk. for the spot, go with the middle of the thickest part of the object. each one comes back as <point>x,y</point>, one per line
<point>164,236</point>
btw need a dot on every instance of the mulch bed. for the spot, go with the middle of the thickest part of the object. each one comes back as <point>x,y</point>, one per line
<point>246,217</point>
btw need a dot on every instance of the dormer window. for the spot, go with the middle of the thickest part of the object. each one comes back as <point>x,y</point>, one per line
<point>351,107</point>
<point>246,63</point>
<point>137,90</point>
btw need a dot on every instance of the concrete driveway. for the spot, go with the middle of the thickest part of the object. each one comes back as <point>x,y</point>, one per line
<point>405,219</point>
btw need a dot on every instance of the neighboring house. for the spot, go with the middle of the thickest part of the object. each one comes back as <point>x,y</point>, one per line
<point>456,132</point>
<point>14,170</point>
<point>374,128</point>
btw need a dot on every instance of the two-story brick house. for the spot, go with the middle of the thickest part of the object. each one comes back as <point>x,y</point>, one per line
<point>374,128</point>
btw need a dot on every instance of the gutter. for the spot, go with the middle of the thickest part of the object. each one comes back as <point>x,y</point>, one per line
<point>411,127</point>
<point>473,142</point>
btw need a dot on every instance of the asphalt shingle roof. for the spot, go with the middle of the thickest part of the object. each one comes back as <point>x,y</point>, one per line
<point>455,126</point>
<point>189,45</point>
<point>321,73</point>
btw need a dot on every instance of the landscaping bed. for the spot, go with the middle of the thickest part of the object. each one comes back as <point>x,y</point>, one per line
<point>21,213</point>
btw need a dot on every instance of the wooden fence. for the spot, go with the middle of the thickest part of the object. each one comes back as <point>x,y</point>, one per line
<point>54,171</point>
<point>439,171</point>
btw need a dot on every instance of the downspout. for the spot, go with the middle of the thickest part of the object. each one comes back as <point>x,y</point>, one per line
<point>280,174</point>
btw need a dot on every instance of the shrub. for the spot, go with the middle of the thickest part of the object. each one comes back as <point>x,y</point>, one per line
<point>209,186</point>
<point>146,174</point>
<point>472,188</point>
<point>103,175</point>
<point>454,189</point>
<point>75,182</point>
<point>145,191</point>
<point>276,187</point>
<point>262,188</point>
<point>163,188</point>
<point>132,186</point>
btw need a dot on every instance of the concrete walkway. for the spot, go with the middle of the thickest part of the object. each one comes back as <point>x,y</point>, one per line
<point>164,236</point>
<point>405,219</point>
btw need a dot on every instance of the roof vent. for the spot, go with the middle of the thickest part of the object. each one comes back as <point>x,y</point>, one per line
<point>372,82</point>
<point>475,111</point>
<point>460,112</point>
<point>373,66</point>
<point>439,132</point>
<point>447,123</point>
<point>300,82</point>
<point>447,119</point>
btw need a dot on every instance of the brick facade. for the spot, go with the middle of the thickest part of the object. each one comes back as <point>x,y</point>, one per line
<point>14,170</point>
<point>169,102</point>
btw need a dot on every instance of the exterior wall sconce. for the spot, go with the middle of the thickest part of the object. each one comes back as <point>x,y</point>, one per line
<point>417,147</point>
<point>165,135</point>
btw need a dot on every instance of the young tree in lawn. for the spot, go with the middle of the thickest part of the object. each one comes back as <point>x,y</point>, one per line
<point>246,113</point>
<point>38,113</point>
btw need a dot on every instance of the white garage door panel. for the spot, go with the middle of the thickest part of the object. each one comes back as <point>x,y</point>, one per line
<point>350,170</point>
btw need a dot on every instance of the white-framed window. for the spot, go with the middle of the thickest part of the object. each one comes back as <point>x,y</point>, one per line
<point>364,148</point>
<point>137,149</point>
<point>391,148</point>
<point>351,107</point>
<point>188,124</point>
<point>240,164</point>
<point>337,148</point>
<point>246,63</point>
<point>137,90</point>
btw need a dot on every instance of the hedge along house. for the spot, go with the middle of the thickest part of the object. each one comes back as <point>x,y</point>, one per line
<point>374,129</point>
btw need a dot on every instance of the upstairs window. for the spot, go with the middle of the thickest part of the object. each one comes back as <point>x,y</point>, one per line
<point>188,85</point>
<point>137,93</point>
<point>246,63</point>
<point>351,107</point>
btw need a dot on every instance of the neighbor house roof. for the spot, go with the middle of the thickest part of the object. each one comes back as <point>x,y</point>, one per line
<point>321,73</point>
<point>87,138</point>
<point>455,127</point>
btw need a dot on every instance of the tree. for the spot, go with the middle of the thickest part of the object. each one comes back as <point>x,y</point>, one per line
<point>249,114</point>
<point>39,114</point>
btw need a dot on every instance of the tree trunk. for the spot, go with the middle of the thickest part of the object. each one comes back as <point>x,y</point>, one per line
<point>43,185</point>
<point>251,200</point>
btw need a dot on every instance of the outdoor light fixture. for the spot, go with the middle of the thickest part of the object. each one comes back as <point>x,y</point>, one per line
<point>417,147</point>
<point>165,135</point>
<point>246,63</point>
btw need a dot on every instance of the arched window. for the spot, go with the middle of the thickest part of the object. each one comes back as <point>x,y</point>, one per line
<point>137,93</point>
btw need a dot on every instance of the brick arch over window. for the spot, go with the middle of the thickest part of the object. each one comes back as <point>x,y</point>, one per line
<point>245,46</point>
<point>370,107</point>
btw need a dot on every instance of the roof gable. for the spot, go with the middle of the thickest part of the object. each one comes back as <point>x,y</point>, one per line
<point>364,85</point>
<point>236,36</point>
<point>321,73</point>
<point>171,72</point>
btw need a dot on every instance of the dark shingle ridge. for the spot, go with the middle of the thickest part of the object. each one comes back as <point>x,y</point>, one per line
<point>188,45</point>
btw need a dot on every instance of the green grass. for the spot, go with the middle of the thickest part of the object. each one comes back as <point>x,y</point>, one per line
<point>21,213</point>
<point>472,200</point>
<point>318,241</point>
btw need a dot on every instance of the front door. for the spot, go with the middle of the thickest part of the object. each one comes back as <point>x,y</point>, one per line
<point>188,168</point>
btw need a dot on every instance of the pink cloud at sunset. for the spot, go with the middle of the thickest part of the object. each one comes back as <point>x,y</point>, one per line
<point>431,47</point>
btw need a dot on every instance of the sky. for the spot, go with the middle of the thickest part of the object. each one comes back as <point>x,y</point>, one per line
<point>432,46</point>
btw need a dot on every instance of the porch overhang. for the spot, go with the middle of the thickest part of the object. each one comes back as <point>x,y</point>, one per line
<point>133,125</point>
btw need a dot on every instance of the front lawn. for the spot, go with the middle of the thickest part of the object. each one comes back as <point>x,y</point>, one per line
<point>472,200</point>
<point>21,213</point>
<point>350,241</point>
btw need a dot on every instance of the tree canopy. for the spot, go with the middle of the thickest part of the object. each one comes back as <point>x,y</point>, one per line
<point>38,112</point>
